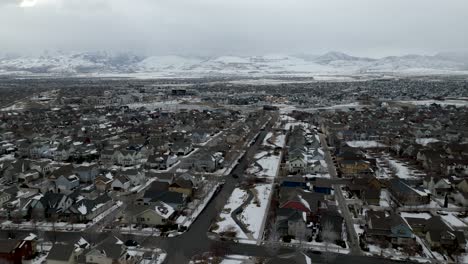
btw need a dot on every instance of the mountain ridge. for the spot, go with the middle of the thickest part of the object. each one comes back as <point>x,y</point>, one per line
<point>333,62</point>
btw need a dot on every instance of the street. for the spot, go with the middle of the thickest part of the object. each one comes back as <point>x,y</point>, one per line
<point>352,236</point>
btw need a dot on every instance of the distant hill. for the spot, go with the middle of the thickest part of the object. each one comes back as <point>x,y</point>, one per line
<point>127,64</point>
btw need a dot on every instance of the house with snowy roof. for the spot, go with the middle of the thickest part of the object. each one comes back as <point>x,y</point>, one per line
<point>382,226</point>
<point>66,184</point>
<point>406,195</point>
<point>157,214</point>
<point>88,209</point>
<point>50,205</point>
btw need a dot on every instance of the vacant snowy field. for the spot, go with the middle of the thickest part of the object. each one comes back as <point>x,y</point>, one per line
<point>253,214</point>
<point>226,223</point>
<point>270,165</point>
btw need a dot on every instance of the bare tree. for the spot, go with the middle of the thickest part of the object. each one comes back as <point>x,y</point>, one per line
<point>273,242</point>
<point>301,234</point>
<point>40,238</point>
<point>329,237</point>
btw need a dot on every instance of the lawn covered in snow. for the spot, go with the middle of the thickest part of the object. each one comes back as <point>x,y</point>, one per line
<point>453,221</point>
<point>226,222</point>
<point>274,140</point>
<point>253,214</point>
<point>384,199</point>
<point>269,164</point>
<point>402,170</point>
<point>425,141</point>
<point>365,144</point>
<point>416,215</point>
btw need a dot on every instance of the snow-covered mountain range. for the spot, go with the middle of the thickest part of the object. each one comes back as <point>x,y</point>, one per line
<point>126,64</point>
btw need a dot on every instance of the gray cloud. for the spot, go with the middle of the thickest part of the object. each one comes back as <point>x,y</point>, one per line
<point>362,27</point>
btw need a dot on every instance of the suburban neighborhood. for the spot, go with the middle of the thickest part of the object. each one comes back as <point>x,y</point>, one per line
<point>182,171</point>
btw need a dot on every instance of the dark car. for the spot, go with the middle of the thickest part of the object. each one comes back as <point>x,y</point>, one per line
<point>235,176</point>
<point>131,243</point>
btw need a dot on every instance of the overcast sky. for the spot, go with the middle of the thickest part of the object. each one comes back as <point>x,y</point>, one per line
<point>235,27</point>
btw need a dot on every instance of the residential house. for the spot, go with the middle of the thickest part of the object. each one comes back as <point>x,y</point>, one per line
<point>294,182</point>
<point>200,136</point>
<point>207,162</point>
<point>135,176</point>
<point>4,198</point>
<point>437,186</point>
<point>406,195</point>
<point>440,235</point>
<point>103,183</point>
<point>87,209</point>
<point>87,173</point>
<point>61,254</point>
<point>109,253</point>
<point>463,185</point>
<point>161,162</point>
<point>159,192</point>
<point>460,198</point>
<point>321,185</point>
<point>120,183</point>
<point>182,186</point>
<point>62,152</point>
<point>154,215</point>
<point>355,168</point>
<point>65,184</point>
<point>127,157</point>
<point>331,221</point>
<point>392,228</point>
<point>291,222</point>
<point>309,202</point>
<point>366,189</point>
<point>181,147</point>
<point>50,205</point>
<point>16,251</point>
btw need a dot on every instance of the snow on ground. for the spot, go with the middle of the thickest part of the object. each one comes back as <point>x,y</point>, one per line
<point>106,213</point>
<point>457,103</point>
<point>238,196</point>
<point>318,175</point>
<point>384,199</point>
<point>386,252</point>
<point>416,215</point>
<point>365,144</point>
<point>234,259</point>
<point>439,256</point>
<point>402,170</point>
<point>43,226</point>
<point>463,258</point>
<point>280,140</point>
<point>16,106</point>
<point>358,229</point>
<point>41,258</point>
<point>441,202</point>
<point>277,140</point>
<point>425,141</point>
<point>267,138</point>
<point>453,221</point>
<point>187,221</point>
<point>161,257</point>
<point>253,214</point>
<point>289,125</point>
<point>7,157</point>
<point>261,154</point>
<point>321,246</point>
<point>173,105</point>
<point>270,165</point>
